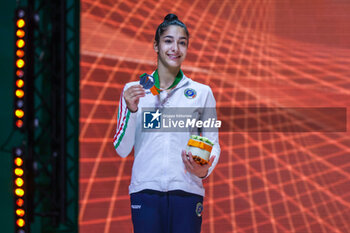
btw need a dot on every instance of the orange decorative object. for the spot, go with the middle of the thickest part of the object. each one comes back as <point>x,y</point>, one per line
<point>199,144</point>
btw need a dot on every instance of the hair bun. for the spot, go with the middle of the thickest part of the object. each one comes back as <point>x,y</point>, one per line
<point>170,17</point>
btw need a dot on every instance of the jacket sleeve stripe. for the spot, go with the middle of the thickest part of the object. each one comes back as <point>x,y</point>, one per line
<point>119,129</point>
<point>124,129</point>
<point>120,110</point>
<point>120,117</point>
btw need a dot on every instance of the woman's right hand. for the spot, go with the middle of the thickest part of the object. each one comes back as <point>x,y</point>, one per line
<point>132,96</point>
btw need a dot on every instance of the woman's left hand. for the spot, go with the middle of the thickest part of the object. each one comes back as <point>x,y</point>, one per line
<point>191,166</point>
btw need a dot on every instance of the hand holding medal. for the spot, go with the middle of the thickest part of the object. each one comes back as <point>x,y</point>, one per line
<point>147,82</point>
<point>132,97</point>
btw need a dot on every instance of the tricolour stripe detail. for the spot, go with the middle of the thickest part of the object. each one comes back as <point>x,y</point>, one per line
<point>124,129</point>
<point>119,129</point>
<point>199,144</point>
<point>120,109</point>
<point>118,118</point>
<point>120,114</point>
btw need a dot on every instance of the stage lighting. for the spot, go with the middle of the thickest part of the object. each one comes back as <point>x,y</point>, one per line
<point>19,192</point>
<point>20,222</point>
<point>20,33</point>
<point>18,162</point>
<point>18,151</point>
<point>19,123</point>
<point>20,212</point>
<point>20,53</point>
<point>19,103</point>
<point>20,23</point>
<point>20,63</point>
<point>21,13</point>
<point>23,116</point>
<point>19,73</point>
<point>20,69</point>
<point>19,113</point>
<point>19,202</point>
<point>19,93</point>
<point>19,83</point>
<point>20,43</point>
<point>19,182</point>
<point>19,188</point>
<point>19,171</point>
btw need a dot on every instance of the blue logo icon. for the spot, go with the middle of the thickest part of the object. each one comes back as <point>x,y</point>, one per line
<point>190,93</point>
<point>152,119</point>
<point>199,209</point>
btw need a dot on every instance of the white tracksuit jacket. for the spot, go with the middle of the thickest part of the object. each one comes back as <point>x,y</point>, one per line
<point>158,164</point>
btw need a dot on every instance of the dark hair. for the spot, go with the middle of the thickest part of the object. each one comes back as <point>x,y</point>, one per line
<point>169,19</point>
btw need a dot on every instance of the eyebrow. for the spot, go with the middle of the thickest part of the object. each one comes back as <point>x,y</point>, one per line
<point>183,37</point>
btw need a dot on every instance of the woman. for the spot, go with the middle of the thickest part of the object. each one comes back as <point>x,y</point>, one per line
<point>166,189</point>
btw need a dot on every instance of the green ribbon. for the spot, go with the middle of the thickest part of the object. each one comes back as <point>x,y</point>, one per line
<point>176,81</point>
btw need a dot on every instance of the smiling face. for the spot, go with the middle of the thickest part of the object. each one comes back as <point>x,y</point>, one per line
<point>172,47</point>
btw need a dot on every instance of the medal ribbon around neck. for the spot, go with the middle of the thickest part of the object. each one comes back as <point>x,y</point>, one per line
<point>176,81</point>
<point>152,83</point>
<point>160,104</point>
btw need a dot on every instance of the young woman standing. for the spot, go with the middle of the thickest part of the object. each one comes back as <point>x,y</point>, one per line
<point>166,189</point>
